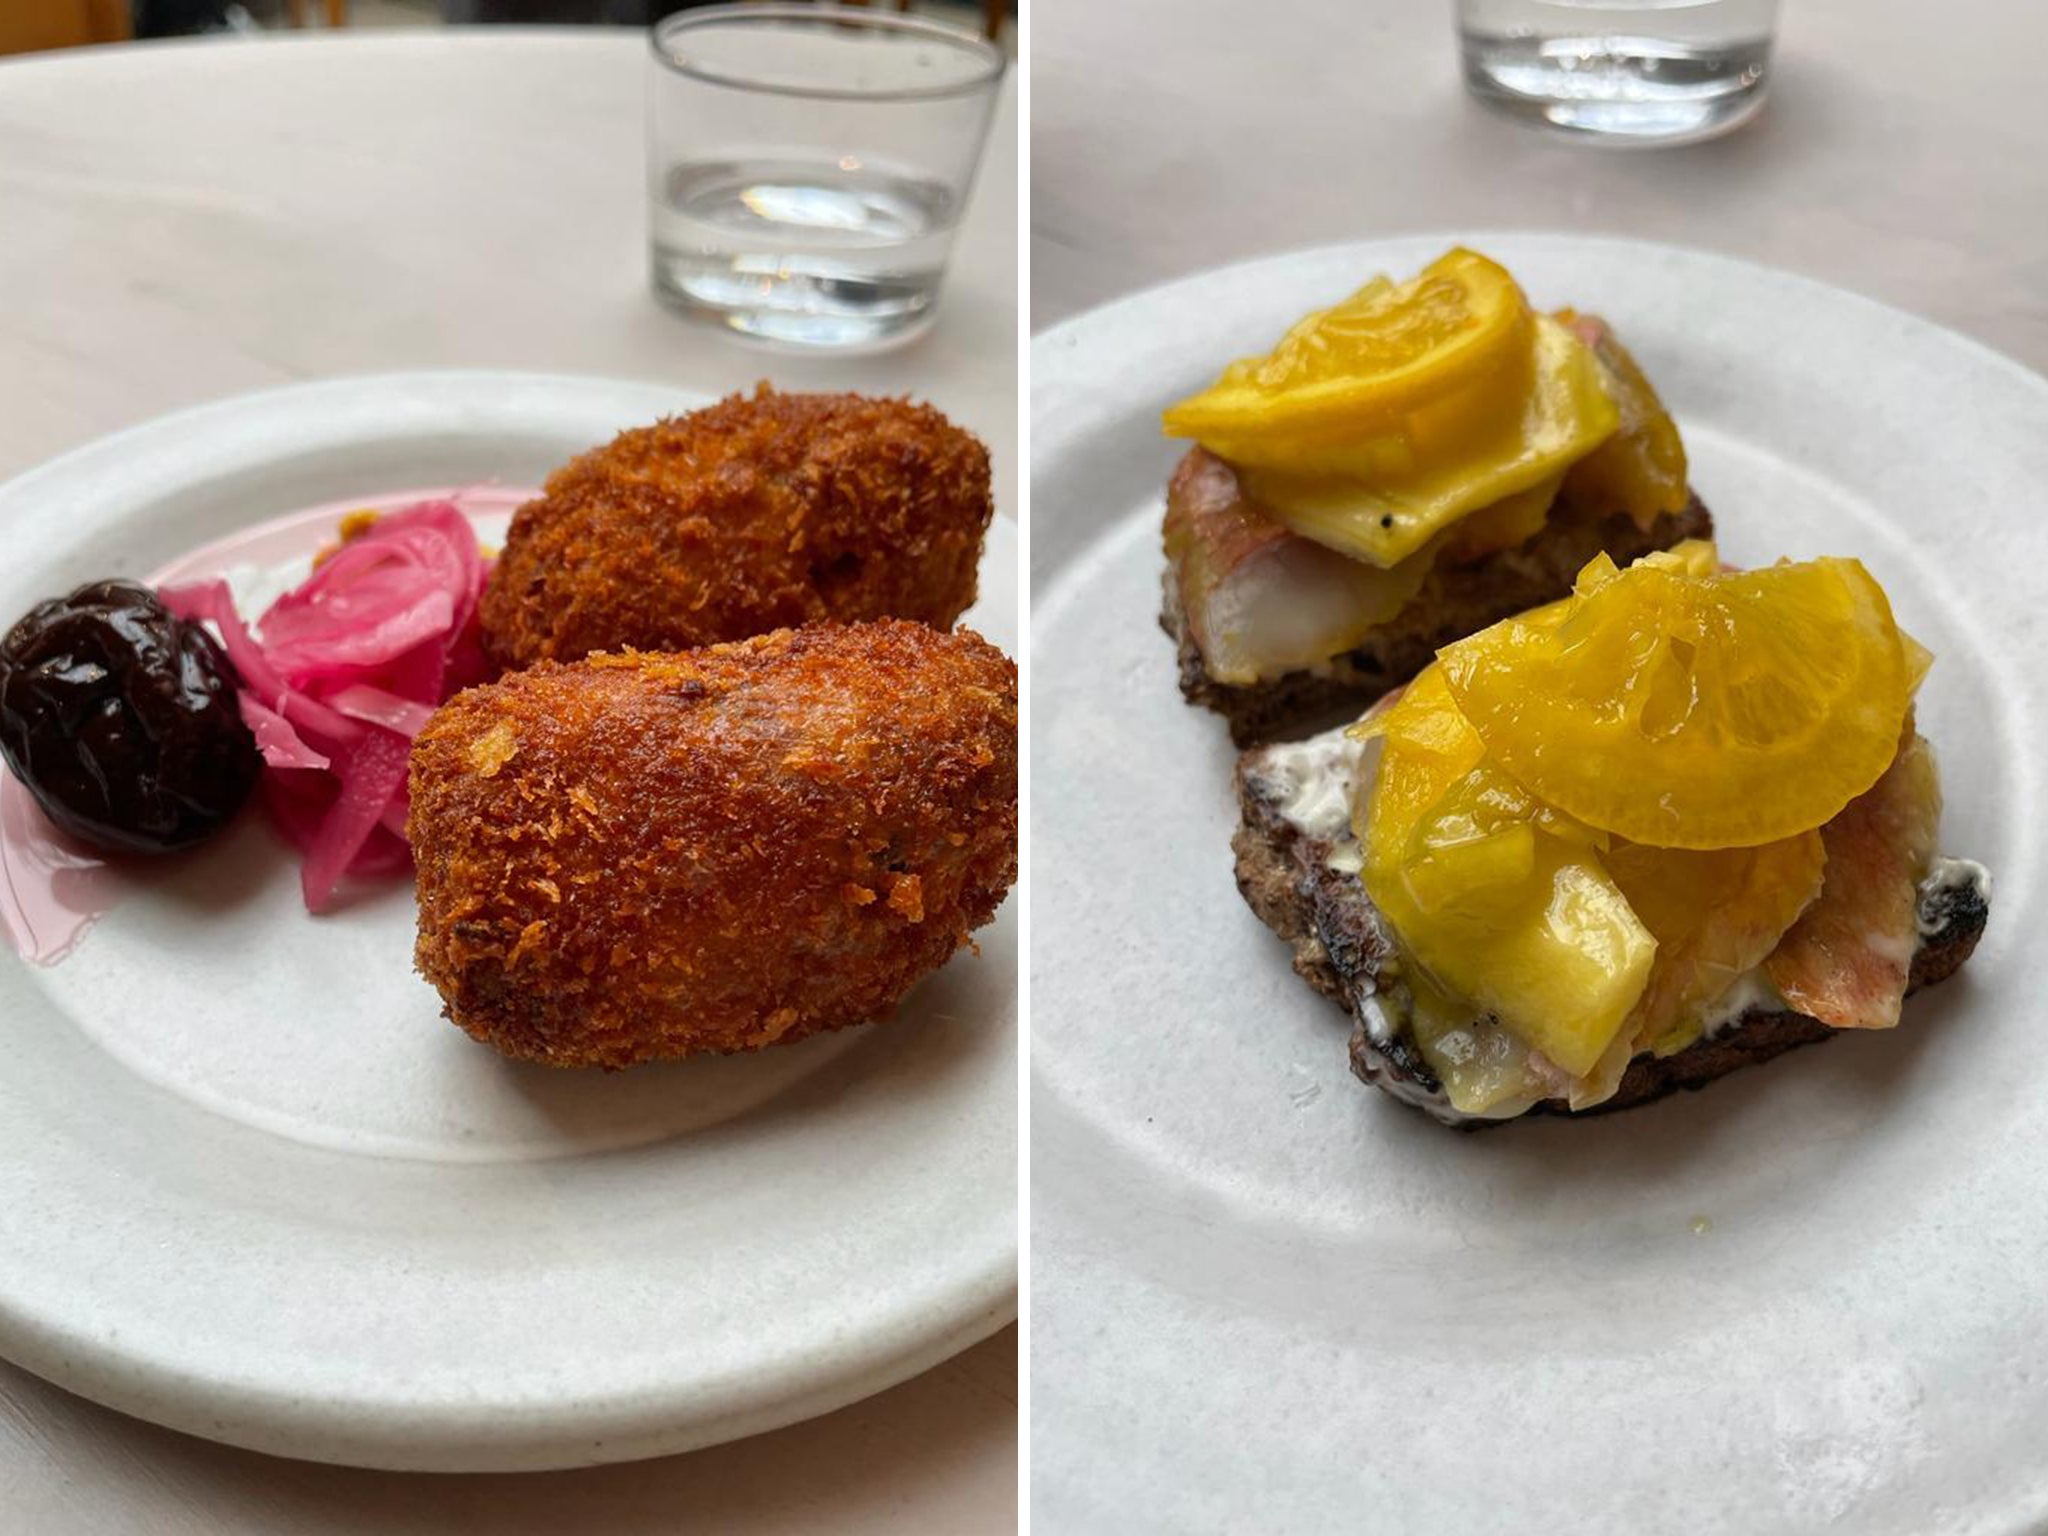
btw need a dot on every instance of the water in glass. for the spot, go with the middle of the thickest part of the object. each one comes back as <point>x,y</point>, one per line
<point>1649,71</point>
<point>818,252</point>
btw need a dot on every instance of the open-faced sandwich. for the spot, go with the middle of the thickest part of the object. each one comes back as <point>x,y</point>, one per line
<point>1418,462</point>
<point>1675,823</point>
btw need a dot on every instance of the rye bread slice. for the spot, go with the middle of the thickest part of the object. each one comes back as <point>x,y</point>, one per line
<point>1341,944</point>
<point>1452,604</point>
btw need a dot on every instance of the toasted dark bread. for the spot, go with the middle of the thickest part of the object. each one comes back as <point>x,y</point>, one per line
<point>1340,945</point>
<point>1453,603</point>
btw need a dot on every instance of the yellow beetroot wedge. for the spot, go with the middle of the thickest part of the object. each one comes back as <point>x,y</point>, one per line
<point>1497,897</point>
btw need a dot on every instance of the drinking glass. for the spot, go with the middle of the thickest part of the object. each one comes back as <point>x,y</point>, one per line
<point>1624,71</point>
<point>807,166</point>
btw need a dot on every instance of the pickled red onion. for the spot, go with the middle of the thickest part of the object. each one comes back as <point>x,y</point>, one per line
<point>342,672</point>
<point>276,738</point>
<point>359,701</point>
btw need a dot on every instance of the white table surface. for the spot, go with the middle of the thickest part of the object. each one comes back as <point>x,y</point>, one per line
<point>1901,153</point>
<point>185,221</point>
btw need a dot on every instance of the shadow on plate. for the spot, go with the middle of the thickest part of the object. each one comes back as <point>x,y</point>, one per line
<point>937,1033</point>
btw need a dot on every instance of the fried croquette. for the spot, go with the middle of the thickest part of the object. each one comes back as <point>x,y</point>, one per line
<point>641,856</point>
<point>761,512</point>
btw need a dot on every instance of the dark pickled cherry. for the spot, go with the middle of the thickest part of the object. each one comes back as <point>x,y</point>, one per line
<point>120,718</point>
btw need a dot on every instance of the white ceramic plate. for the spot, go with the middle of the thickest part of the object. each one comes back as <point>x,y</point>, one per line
<point>252,1186</point>
<point>1265,1297</point>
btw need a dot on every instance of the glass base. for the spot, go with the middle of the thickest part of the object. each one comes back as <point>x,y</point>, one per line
<point>1619,90</point>
<point>809,307</point>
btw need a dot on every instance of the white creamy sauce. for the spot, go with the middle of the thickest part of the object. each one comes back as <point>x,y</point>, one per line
<point>1408,1091</point>
<point>1310,783</point>
<point>1381,1023</point>
<point>1951,875</point>
<point>1752,989</point>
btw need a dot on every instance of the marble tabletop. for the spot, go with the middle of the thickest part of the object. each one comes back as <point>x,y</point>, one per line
<point>1899,154</point>
<point>180,222</point>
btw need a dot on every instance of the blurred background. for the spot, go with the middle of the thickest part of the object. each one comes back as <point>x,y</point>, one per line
<point>1899,152</point>
<point>31,25</point>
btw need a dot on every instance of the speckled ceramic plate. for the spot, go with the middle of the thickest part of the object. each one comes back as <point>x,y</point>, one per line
<point>1265,1297</point>
<point>252,1186</point>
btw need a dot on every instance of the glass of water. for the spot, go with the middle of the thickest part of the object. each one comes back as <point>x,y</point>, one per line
<point>1624,71</point>
<point>807,167</point>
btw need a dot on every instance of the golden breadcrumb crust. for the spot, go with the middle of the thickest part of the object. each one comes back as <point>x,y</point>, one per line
<point>640,856</point>
<point>758,513</point>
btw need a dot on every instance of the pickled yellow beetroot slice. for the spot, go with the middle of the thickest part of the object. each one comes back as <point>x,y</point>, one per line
<point>1688,708</point>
